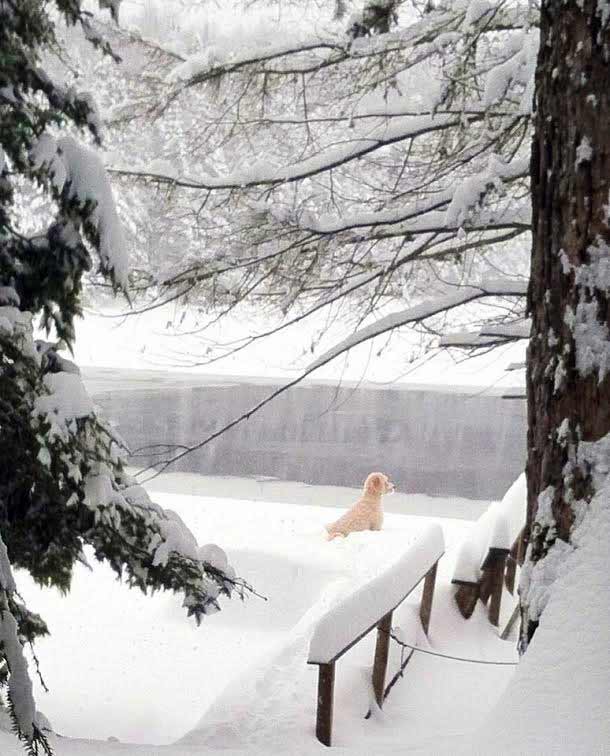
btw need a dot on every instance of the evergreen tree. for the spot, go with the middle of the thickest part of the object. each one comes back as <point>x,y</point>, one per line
<point>62,480</point>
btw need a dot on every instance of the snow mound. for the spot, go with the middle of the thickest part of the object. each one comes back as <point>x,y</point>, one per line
<point>560,692</point>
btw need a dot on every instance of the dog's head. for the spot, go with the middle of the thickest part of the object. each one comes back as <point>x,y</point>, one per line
<point>378,484</point>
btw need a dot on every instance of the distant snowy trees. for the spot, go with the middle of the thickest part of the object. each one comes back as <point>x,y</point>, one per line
<point>62,479</point>
<point>568,372</point>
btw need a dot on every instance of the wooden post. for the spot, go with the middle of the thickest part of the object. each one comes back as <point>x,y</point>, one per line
<point>496,584</point>
<point>511,571</point>
<point>466,597</point>
<point>486,581</point>
<point>324,716</point>
<point>425,608</point>
<point>521,548</point>
<point>380,664</point>
<point>514,558</point>
<point>325,649</point>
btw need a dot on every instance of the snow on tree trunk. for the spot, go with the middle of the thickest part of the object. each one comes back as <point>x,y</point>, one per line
<point>569,354</point>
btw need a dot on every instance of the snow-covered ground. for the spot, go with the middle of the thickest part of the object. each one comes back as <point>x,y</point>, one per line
<point>267,489</point>
<point>121,665</point>
<point>132,668</point>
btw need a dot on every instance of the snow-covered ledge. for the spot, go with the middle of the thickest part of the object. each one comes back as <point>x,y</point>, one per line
<point>483,564</point>
<point>351,619</point>
<point>369,607</point>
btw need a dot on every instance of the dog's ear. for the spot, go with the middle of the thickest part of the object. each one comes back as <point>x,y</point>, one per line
<point>374,483</point>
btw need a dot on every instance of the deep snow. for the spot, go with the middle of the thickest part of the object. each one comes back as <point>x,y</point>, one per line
<point>127,666</point>
<point>132,667</point>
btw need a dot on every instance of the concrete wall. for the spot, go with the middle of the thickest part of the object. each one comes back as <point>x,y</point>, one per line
<point>428,441</point>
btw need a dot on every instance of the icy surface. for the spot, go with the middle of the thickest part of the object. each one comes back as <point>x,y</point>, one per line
<point>474,444</point>
<point>150,340</point>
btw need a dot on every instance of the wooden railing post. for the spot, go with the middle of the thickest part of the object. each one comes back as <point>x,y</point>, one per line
<point>496,584</point>
<point>324,716</point>
<point>511,571</point>
<point>342,627</point>
<point>425,608</point>
<point>521,547</point>
<point>380,664</point>
<point>466,597</point>
<point>514,558</point>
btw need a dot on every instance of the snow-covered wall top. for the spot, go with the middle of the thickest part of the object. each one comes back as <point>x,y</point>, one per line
<point>351,618</point>
<point>498,527</point>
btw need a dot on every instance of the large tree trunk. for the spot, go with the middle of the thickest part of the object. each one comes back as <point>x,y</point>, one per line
<point>568,377</point>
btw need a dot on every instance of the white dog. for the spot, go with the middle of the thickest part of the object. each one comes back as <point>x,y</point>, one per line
<point>367,512</point>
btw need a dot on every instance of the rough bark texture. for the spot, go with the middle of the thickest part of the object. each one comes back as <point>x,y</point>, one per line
<point>570,193</point>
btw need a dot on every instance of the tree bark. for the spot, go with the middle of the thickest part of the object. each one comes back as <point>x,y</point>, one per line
<point>567,378</point>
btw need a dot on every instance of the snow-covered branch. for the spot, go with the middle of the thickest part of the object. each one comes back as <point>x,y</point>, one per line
<point>12,661</point>
<point>422,39</point>
<point>420,312</point>
<point>377,138</point>
<point>322,163</point>
<point>488,335</point>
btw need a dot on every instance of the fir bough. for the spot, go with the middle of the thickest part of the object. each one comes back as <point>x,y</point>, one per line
<point>62,479</point>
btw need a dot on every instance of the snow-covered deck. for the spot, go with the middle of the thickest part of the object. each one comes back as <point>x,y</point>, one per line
<point>131,667</point>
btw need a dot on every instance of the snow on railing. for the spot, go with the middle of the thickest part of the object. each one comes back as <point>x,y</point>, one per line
<point>372,606</point>
<point>491,549</point>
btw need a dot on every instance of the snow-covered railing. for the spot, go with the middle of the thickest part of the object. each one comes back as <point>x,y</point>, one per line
<point>488,557</point>
<point>372,606</point>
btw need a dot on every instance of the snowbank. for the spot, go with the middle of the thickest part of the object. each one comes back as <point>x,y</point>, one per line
<point>557,701</point>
